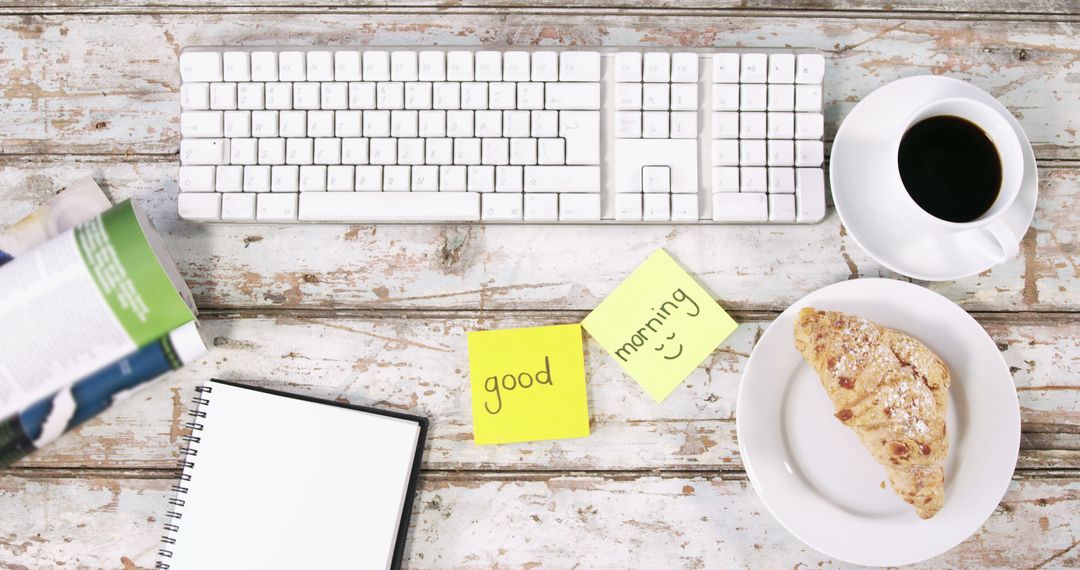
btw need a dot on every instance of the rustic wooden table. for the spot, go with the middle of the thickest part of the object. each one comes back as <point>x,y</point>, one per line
<point>378,314</point>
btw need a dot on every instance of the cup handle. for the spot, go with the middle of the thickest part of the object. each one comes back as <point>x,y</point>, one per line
<point>1008,243</point>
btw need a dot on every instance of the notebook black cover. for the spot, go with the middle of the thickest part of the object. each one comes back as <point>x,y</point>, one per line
<point>414,477</point>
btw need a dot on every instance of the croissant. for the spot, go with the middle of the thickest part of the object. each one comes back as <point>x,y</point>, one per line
<point>891,390</point>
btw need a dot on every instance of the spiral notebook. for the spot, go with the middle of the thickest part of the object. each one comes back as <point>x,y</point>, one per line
<point>274,480</point>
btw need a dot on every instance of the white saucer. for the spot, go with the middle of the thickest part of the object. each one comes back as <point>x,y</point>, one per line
<point>862,149</point>
<point>815,476</point>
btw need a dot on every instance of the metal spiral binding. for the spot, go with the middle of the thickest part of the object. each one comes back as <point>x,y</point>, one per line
<point>189,451</point>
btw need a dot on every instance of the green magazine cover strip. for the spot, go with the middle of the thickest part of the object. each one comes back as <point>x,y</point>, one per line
<point>129,275</point>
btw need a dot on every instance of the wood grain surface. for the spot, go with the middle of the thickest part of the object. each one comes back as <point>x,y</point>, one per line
<point>378,314</point>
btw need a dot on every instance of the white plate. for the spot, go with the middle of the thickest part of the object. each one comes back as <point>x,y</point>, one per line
<point>815,476</point>
<point>862,148</point>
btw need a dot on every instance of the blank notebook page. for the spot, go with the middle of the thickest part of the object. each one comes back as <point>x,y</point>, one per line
<point>284,483</point>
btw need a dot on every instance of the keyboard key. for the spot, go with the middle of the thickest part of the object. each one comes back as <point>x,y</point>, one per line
<point>229,179</point>
<point>320,124</point>
<point>238,207</point>
<point>249,96</point>
<point>809,68</point>
<point>754,68</point>
<point>809,125</point>
<point>368,178</point>
<point>516,66</point>
<point>257,178</point>
<point>459,66</point>
<point>204,151</point>
<point>488,66</point>
<point>737,207</point>
<point>752,125</point>
<point>396,178</point>
<point>581,130</point>
<point>541,207</point>
<point>780,125</point>
<point>389,206</point>
<point>752,179</point>
<point>193,206</point>
<point>508,179</point>
<point>320,66</point>
<point>446,95</point>
<point>628,66</point>
<point>501,207</point>
<point>292,66</point>
<point>495,151</point>
<point>515,124</point>
<point>362,95</point>
<point>502,95</point>
<point>551,151</point>
<point>474,95</point>
<point>523,151</point>
<point>684,68</point>
<point>725,179</point>
<point>403,66</point>
<point>417,95</point>
<point>545,124</point>
<point>432,66</point>
<point>725,152</point>
<point>809,153</point>
<point>725,97</point>
<point>656,207</point>
<point>348,124</point>
<point>725,68</point>
<point>244,151</point>
<point>628,96</point>
<point>684,97</point>
<point>467,151</point>
<point>725,125</point>
<point>545,66</point>
<point>201,66</point>
<point>628,206</point>
<point>306,95</point>
<point>684,207</point>
<point>579,207</point>
<point>354,151</point>
<point>389,95</point>
<point>347,66</point>
<point>339,178</point>
<point>278,95</point>
<point>299,151</point>
<point>578,66</point>
<point>781,153</point>
<point>655,97</point>
<point>530,95</point>
<point>656,179</point>
<point>276,207</point>
<point>201,124</point>
<point>657,67</point>
<point>654,124</point>
<point>376,66</point>
<point>195,96</point>
<point>808,98</point>
<point>376,124</point>
<point>782,208</point>
<point>810,194</point>
<point>572,96</point>
<point>481,179</point>
<point>781,180</point>
<point>223,96</point>
<point>781,97</point>
<point>264,66</point>
<point>752,97</point>
<point>237,66</point>
<point>285,178</point>
<point>683,125</point>
<point>752,153</point>
<point>313,178</point>
<point>382,151</point>
<point>781,68</point>
<point>452,178</point>
<point>196,179</point>
<point>628,124</point>
<point>439,151</point>
<point>574,179</point>
<point>334,96</point>
<point>425,178</point>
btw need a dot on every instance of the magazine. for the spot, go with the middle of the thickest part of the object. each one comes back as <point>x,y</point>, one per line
<point>91,308</point>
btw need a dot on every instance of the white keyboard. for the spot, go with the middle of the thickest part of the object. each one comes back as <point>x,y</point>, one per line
<point>529,136</point>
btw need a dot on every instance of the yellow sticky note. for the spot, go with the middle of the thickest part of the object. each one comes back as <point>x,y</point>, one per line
<point>659,324</point>
<point>528,384</point>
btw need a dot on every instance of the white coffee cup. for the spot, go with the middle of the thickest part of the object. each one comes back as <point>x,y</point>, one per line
<point>1011,154</point>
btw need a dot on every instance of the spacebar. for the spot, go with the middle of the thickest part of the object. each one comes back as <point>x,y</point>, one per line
<point>389,206</point>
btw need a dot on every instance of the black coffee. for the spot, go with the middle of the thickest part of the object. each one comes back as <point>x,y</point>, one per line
<point>950,167</point>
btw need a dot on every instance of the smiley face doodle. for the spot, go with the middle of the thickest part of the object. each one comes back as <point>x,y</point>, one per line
<point>680,304</point>
<point>676,355</point>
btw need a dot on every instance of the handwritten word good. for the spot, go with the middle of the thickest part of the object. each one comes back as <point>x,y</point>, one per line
<point>528,384</point>
<point>509,382</point>
<point>659,324</point>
